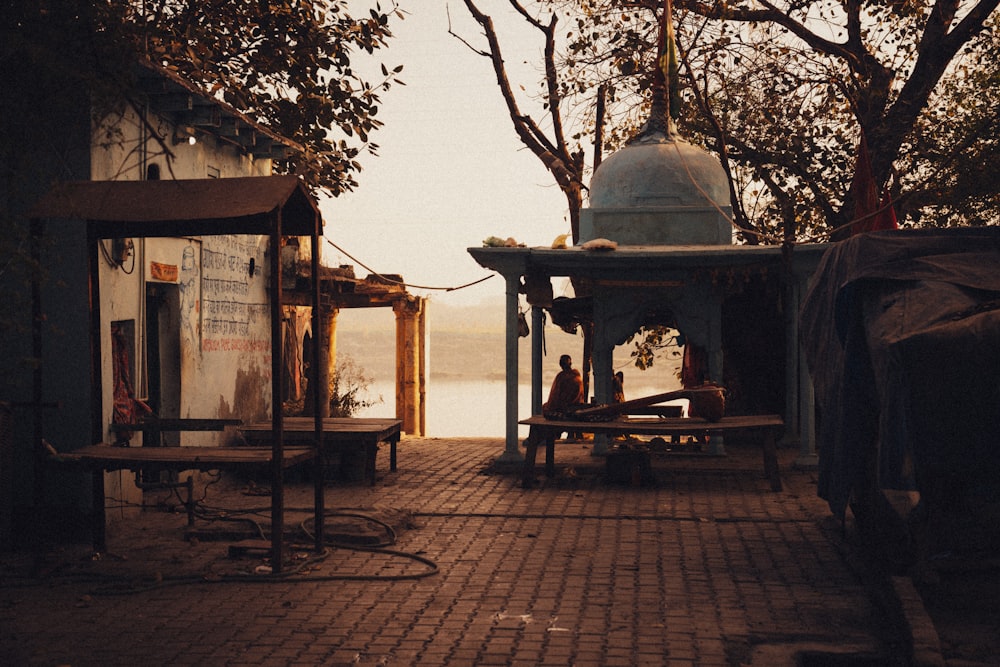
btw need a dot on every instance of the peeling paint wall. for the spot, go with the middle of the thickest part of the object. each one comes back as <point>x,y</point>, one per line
<point>235,344</point>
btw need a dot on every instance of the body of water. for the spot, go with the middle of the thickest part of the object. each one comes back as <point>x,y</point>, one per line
<point>474,408</point>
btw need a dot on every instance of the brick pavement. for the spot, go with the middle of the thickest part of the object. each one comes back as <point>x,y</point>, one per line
<point>706,567</point>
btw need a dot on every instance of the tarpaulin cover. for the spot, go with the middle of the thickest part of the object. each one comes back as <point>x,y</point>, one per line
<point>901,331</point>
<point>195,207</point>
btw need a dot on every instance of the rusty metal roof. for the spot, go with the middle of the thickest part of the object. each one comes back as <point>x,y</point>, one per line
<point>197,207</point>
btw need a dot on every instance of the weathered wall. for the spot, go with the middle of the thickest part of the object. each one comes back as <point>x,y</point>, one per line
<point>233,357</point>
<point>124,147</point>
<point>54,140</point>
<point>207,296</point>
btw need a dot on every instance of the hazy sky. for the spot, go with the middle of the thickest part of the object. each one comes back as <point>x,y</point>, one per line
<point>450,169</point>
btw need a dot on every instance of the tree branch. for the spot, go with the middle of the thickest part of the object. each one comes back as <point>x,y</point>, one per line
<point>565,167</point>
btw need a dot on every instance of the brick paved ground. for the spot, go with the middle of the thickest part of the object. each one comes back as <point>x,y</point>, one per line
<point>706,567</point>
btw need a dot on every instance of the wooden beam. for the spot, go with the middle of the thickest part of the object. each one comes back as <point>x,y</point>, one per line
<point>204,115</point>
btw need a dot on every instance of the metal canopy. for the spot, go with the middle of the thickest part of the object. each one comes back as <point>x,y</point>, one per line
<point>197,207</point>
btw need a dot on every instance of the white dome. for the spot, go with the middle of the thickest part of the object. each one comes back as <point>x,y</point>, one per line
<point>659,172</point>
<point>659,190</point>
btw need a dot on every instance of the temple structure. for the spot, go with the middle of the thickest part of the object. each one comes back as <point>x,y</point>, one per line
<point>656,249</point>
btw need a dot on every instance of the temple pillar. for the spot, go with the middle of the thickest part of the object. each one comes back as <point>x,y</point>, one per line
<point>512,452</point>
<point>614,320</point>
<point>603,367</point>
<point>409,365</point>
<point>537,352</point>
<point>327,358</point>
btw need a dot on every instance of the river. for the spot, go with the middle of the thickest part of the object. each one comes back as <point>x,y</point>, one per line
<point>457,408</point>
<point>466,392</point>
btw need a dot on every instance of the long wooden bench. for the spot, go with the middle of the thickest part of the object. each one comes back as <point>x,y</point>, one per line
<point>364,433</point>
<point>107,457</point>
<point>766,428</point>
<point>154,457</point>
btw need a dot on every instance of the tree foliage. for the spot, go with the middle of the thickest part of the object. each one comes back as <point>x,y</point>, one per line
<point>783,92</point>
<point>285,63</point>
<point>66,64</point>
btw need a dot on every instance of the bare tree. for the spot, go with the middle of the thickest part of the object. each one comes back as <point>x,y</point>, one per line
<point>565,163</point>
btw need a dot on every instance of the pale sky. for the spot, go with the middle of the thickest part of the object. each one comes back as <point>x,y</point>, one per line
<point>450,170</point>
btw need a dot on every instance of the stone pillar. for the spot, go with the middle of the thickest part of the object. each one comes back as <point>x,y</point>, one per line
<point>408,365</point>
<point>512,453</point>
<point>612,317</point>
<point>537,350</point>
<point>604,369</point>
<point>325,360</point>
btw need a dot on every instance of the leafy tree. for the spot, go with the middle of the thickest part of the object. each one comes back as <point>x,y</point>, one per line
<point>784,91</point>
<point>562,154</point>
<point>285,63</point>
<point>562,157</point>
<point>64,66</point>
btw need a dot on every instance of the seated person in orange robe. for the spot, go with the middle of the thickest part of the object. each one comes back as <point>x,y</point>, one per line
<point>566,392</point>
<point>567,388</point>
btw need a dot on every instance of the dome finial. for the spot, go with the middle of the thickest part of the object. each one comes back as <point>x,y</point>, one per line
<point>665,104</point>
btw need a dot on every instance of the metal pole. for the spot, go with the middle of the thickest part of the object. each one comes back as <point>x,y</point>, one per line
<point>277,420</point>
<point>321,394</point>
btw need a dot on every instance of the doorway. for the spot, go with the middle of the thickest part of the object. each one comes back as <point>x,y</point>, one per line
<point>163,355</point>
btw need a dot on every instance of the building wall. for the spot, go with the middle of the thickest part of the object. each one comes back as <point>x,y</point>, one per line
<point>124,146</point>
<point>205,297</point>
<point>222,339</point>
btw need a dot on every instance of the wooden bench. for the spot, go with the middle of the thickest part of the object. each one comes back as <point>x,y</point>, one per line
<point>766,428</point>
<point>107,457</point>
<point>363,432</point>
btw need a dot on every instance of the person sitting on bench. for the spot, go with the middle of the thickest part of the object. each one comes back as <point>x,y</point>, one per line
<point>566,390</point>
